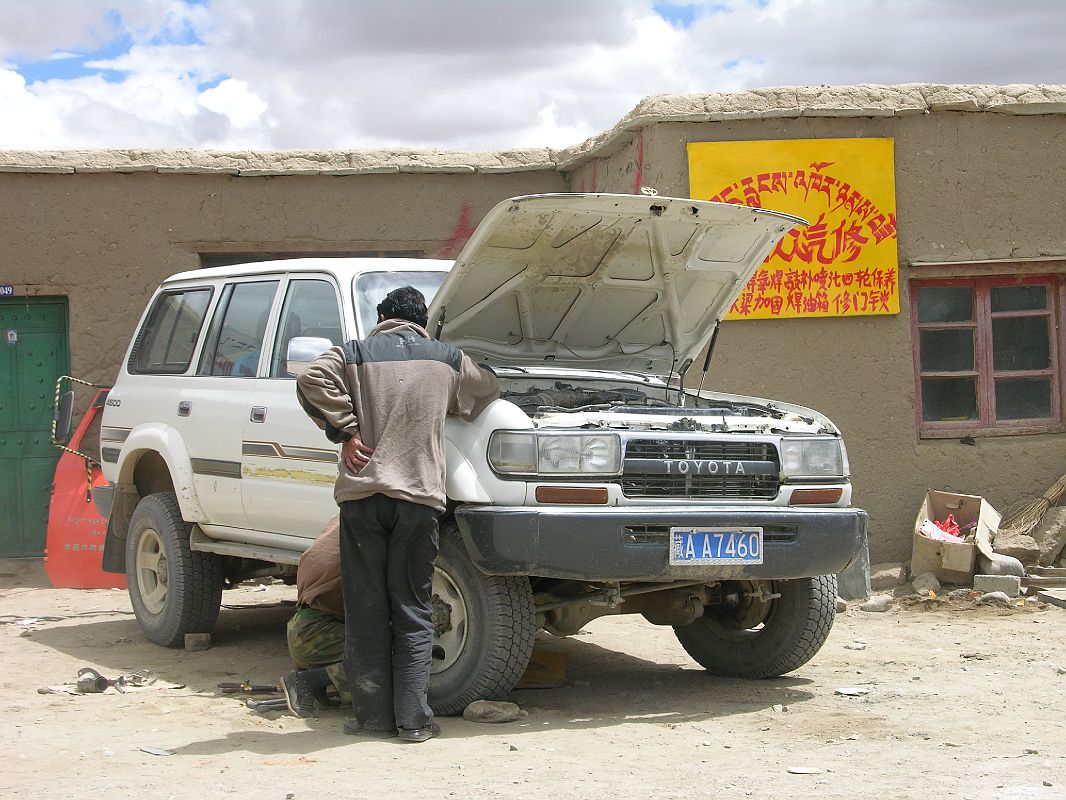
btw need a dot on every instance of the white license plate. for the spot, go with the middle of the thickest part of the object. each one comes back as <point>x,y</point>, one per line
<point>715,546</point>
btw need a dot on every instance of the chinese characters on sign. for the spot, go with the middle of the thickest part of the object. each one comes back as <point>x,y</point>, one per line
<point>844,263</point>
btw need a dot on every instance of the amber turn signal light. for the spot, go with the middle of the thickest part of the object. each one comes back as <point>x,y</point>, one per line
<point>572,495</point>
<point>815,497</point>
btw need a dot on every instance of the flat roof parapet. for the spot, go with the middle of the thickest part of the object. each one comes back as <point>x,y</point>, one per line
<point>283,162</point>
<point>863,100</point>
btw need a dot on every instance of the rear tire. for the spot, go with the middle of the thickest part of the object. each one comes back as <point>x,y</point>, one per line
<point>484,629</point>
<point>174,590</point>
<point>763,638</point>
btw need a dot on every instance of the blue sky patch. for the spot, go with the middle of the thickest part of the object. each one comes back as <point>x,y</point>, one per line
<point>65,67</point>
<point>69,66</point>
<point>677,14</point>
<point>205,85</point>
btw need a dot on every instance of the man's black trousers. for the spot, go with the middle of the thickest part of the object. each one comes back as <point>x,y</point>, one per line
<point>388,547</point>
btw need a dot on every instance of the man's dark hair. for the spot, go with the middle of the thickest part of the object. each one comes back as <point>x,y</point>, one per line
<point>405,303</point>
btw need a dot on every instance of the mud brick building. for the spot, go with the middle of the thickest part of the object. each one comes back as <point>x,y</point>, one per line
<point>963,388</point>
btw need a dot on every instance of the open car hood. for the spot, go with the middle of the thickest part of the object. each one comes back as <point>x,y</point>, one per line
<point>620,282</point>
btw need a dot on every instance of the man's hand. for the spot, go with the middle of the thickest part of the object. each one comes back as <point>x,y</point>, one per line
<point>355,453</point>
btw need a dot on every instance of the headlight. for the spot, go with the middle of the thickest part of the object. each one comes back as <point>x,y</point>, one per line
<point>812,458</point>
<point>533,453</point>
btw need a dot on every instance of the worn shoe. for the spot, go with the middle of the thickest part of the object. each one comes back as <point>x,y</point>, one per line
<point>423,734</point>
<point>299,695</point>
<point>353,728</point>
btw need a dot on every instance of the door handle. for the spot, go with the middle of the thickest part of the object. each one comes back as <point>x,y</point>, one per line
<point>184,408</point>
<point>259,414</point>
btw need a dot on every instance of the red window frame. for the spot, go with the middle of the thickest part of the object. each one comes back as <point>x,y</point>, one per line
<point>986,424</point>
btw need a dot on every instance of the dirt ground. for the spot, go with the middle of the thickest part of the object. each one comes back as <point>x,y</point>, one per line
<point>962,702</point>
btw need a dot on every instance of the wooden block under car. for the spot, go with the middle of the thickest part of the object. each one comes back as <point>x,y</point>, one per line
<point>546,670</point>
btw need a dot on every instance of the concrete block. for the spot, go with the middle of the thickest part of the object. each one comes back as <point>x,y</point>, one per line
<point>1056,597</point>
<point>195,642</point>
<point>1010,585</point>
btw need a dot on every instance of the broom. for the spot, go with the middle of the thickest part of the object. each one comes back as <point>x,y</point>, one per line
<point>1028,517</point>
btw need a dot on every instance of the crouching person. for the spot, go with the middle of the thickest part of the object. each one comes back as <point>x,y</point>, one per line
<point>316,630</point>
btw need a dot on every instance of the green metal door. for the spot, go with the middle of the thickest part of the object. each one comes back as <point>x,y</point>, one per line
<point>33,353</point>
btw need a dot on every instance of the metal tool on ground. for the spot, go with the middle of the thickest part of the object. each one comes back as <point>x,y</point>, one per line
<point>271,704</point>
<point>247,687</point>
<point>92,682</point>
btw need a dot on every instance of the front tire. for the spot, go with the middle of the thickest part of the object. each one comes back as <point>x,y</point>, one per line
<point>483,629</point>
<point>174,590</point>
<point>753,636</point>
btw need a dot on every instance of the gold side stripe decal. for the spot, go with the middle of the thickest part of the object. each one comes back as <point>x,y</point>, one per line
<point>275,450</point>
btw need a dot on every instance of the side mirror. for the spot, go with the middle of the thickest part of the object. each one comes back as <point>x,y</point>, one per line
<point>302,351</point>
<point>61,418</point>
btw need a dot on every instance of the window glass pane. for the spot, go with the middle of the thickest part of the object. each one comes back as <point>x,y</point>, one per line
<point>1019,298</point>
<point>371,288</point>
<point>310,310</point>
<point>945,303</point>
<point>949,399</point>
<point>168,338</point>
<point>1023,398</point>
<point>240,339</point>
<point>947,350</point>
<point>1020,343</point>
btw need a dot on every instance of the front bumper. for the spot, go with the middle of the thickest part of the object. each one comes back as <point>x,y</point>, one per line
<point>632,544</point>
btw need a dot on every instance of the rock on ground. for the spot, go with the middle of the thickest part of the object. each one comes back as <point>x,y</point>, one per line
<point>994,598</point>
<point>1020,546</point>
<point>1050,535</point>
<point>925,583</point>
<point>887,576</point>
<point>877,603</point>
<point>491,711</point>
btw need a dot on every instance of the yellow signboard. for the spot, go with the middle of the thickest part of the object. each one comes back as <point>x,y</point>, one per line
<point>844,263</point>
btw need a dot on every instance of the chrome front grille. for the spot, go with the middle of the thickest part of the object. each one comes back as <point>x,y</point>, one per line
<point>691,461</point>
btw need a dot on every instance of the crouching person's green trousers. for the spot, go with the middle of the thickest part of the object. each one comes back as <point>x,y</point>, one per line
<point>316,639</point>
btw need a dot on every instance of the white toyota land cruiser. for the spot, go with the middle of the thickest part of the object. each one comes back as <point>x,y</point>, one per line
<point>596,485</point>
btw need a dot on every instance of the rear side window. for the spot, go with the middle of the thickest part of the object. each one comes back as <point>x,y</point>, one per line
<point>236,341</point>
<point>166,342</point>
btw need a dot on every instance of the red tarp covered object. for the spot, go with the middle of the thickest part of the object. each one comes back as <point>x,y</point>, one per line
<point>75,545</point>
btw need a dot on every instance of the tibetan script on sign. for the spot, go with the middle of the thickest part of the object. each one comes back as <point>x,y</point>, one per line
<point>844,263</point>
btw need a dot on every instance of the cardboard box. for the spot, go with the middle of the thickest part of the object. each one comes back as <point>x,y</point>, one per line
<point>952,562</point>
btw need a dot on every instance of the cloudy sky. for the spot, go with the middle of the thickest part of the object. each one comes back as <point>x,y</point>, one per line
<point>465,74</point>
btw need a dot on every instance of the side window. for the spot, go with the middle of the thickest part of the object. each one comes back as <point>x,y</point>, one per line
<point>310,309</point>
<point>166,342</point>
<point>237,332</point>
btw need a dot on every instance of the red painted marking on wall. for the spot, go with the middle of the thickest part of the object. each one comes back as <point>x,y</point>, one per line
<point>640,163</point>
<point>460,234</point>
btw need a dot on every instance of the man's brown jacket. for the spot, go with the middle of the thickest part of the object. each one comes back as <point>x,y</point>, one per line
<point>394,389</point>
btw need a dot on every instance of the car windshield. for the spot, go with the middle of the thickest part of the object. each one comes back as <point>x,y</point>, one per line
<point>371,288</point>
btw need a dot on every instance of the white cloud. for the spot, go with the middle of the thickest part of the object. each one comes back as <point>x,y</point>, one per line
<point>235,101</point>
<point>469,74</point>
